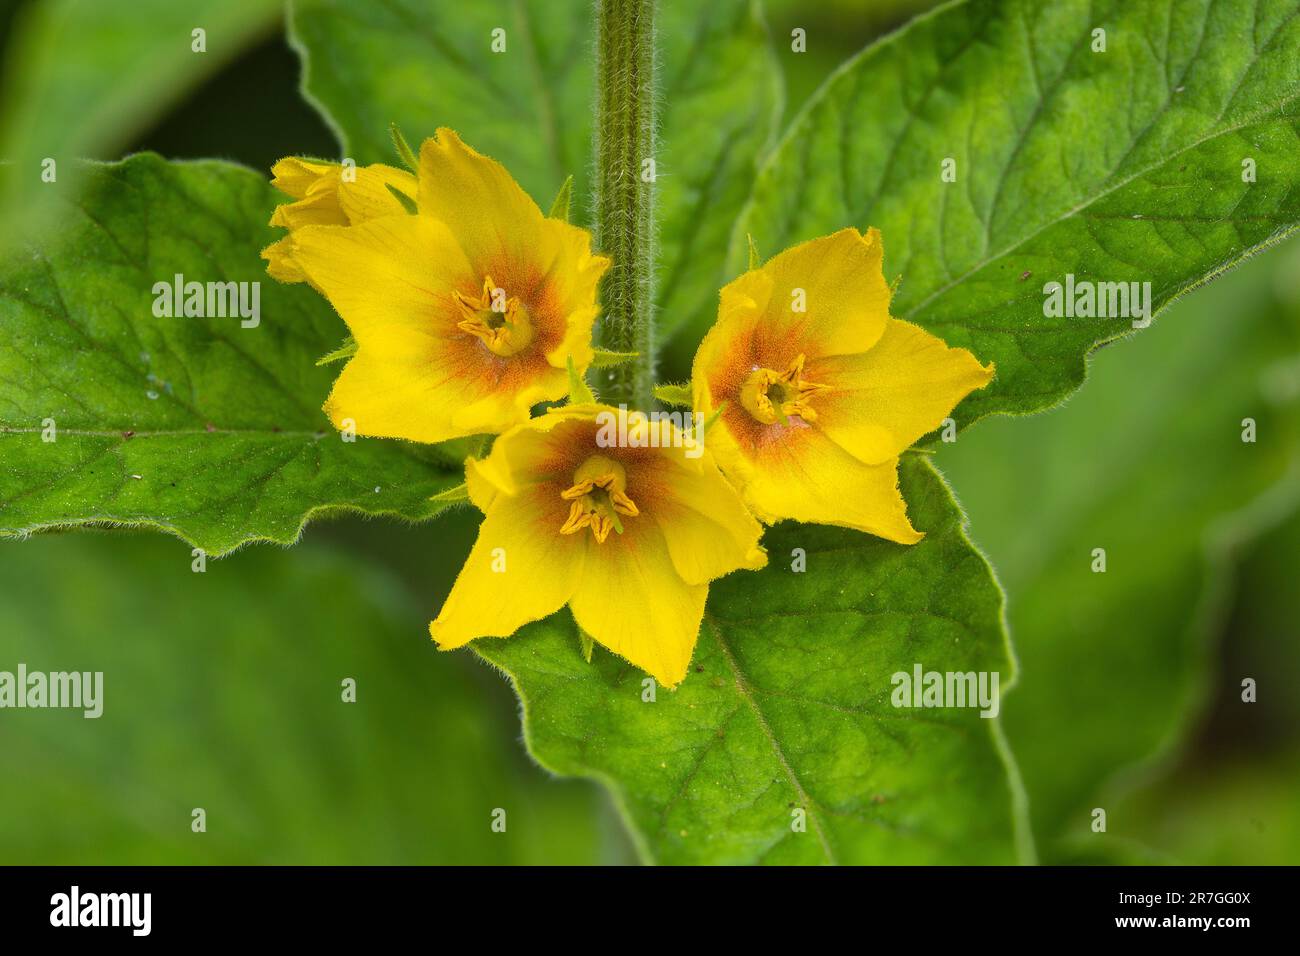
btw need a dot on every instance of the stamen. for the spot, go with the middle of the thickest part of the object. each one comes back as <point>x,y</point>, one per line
<point>771,397</point>
<point>501,323</point>
<point>597,497</point>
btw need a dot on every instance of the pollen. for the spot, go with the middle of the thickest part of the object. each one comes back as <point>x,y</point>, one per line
<point>597,497</point>
<point>501,322</point>
<point>770,396</point>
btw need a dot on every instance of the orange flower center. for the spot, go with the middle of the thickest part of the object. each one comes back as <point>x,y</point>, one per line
<point>597,497</point>
<point>770,396</point>
<point>501,322</point>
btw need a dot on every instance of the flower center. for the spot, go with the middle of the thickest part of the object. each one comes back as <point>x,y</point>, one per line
<point>770,396</point>
<point>502,323</point>
<point>598,496</point>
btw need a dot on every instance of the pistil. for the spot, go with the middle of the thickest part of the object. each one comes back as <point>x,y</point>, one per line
<point>771,396</point>
<point>597,497</point>
<point>501,322</point>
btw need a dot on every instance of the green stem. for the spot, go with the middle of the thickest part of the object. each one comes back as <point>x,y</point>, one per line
<point>625,140</point>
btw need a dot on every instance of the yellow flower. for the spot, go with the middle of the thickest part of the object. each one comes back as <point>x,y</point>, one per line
<point>629,536</point>
<point>327,197</point>
<point>823,389</point>
<point>465,315</point>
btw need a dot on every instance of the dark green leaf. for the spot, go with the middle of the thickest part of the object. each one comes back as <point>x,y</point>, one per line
<point>198,426</point>
<point>530,106</point>
<point>458,493</point>
<point>224,690</point>
<point>83,78</point>
<point>1118,166</point>
<point>788,707</point>
<point>425,65</point>
<point>720,103</point>
<point>1232,805</point>
<point>1147,463</point>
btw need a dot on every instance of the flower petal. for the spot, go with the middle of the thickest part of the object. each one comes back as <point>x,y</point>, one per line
<point>576,341</point>
<point>431,393</point>
<point>416,375</point>
<point>391,279</point>
<point>368,196</point>
<point>317,209</point>
<point>537,450</point>
<point>478,199</point>
<point>541,571</point>
<point>279,262</point>
<point>839,282</point>
<point>547,262</point>
<point>881,401</point>
<point>479,482</point>
<point>847,309</point>
<point>802,474</point>
<point>294,176</point>
<point>632,600</point>
<point>708,529</point>
<point>497,410</point>
<point>385,398</point>
<point>325,197</point>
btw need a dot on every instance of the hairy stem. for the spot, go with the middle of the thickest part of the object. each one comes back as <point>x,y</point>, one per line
<point>625,140</point>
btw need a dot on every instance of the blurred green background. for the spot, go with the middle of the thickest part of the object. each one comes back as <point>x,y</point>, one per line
<point>223,689</point>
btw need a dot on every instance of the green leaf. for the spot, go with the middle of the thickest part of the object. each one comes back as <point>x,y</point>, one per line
<point>530,107</point>
<point>755,260</point>
<point>720,104</point>
<point>65,54</point>
<point>1238,814</point>
<point>671,394</point>
<point>422,66</point>
<point>788,707</point>
<point>1233,806</point>
<point>453,495</point>
<point>224,690</point>
<point>1123,165</point>
<point>1147,463</point>
<point>344,351</point>
<point>198,426</point>
<point>563,200</point>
